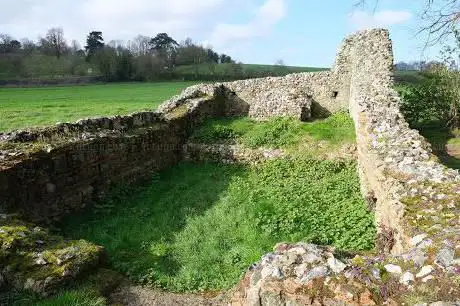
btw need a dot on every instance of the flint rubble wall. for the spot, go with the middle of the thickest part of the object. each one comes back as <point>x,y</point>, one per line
<point>393,158</point>
<point>49,173</point>
<point>417,204</point>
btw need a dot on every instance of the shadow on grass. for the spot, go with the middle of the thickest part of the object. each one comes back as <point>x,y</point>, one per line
<point>445,145</point>
<point>137,226</point>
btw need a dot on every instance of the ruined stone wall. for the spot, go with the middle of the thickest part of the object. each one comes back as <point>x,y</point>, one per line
<point>52,172</point>
<point>300,95</point>
<point>395,161</point>
<point>417,200</point>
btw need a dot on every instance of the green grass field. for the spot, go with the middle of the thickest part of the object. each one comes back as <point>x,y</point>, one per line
<point>41,106</point>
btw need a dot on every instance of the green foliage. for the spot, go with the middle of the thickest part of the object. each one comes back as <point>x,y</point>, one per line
<point>80,296</point>
<point>408,77</point>
<point>94,42</point>
<point>15,66</point>
<point>216,133</point>
<point>276,132</point>
<point>437,96</point>
<point>222,130</point>
<point>334,129</point>
<point>142,59</point>
<point>27,107</point>
<point>198,227</point>
<point>425,102</point>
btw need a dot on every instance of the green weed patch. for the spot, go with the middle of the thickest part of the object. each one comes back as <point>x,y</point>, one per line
<point>277,132</point>
<point>198,227</point>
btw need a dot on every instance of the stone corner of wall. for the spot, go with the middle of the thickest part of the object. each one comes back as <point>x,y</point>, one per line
<point>417,204</point>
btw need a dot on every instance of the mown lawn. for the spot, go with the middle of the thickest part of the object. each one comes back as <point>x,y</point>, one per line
<point>41,106</point>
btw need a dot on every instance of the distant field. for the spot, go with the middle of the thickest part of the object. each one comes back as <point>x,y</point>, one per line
<point>250,69</point>
<point>41,106</point>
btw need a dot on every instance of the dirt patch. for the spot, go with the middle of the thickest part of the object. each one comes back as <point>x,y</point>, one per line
<point>133,295</point>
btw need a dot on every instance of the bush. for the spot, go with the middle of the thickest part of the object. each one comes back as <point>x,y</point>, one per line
<point>435,99</point>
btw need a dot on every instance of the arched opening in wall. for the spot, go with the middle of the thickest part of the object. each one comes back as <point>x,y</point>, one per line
<point>334,94</point>
<point>305,113</point>
<point>318,111</point>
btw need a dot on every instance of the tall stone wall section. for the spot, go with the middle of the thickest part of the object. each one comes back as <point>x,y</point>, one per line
<point>300,95</point>
<point>396,164</point>
<point>417,200</point>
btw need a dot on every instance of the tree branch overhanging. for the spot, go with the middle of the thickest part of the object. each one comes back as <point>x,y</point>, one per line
<point>439,18</point>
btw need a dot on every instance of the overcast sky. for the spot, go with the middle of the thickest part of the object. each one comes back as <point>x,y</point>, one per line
<point>300,32</point>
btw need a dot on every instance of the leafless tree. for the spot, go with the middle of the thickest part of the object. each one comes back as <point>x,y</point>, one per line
<point>5,39</point>
<point>28,46</point>
<point>139,45</point>
<point>439,18</point>
<point>75,47</point>
<point>56,42</point>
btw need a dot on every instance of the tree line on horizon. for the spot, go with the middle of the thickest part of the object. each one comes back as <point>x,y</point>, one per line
<point>141,59</point>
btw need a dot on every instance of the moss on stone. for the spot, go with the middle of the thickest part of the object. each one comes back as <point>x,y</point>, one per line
<point>37,260</point>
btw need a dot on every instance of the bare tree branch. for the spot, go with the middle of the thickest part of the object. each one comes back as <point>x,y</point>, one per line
<point>440,18</point>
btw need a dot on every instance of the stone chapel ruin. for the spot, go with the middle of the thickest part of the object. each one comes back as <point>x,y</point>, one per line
<point>49,173</point>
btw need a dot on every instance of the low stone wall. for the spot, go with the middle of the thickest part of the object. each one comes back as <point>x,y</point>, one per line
<point>49,173</point>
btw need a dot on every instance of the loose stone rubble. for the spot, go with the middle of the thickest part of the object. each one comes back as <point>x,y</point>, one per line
<point>308,274</point>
